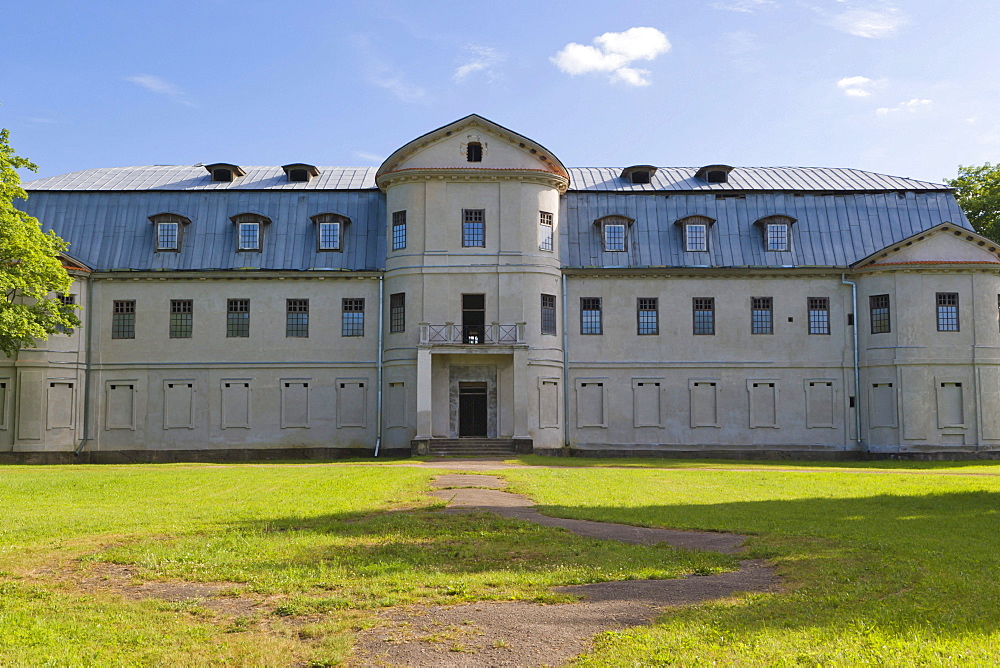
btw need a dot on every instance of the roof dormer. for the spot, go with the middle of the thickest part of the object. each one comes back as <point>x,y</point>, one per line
<point>224,172</point>
<point>638,174</point>
<point>300,172</point>
<point>714,173</point>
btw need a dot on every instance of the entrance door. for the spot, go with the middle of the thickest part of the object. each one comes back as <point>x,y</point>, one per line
<point>473,318</point>
<point>472,409</point>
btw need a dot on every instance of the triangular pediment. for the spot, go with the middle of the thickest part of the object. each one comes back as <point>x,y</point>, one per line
<point>943,244</point>
<point>448,148</point>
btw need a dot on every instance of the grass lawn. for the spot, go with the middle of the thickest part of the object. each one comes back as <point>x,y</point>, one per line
<point>892,564</point>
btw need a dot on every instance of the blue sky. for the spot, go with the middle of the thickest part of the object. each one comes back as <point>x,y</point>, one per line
<point>909,88</point>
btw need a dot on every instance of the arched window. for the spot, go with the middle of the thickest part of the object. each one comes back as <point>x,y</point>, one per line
<point>168,229</point>
<point>330,231</point>
<point>250,232</point>
<point>224,172</point>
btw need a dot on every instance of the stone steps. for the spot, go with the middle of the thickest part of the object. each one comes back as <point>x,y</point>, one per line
<point>472,447</point>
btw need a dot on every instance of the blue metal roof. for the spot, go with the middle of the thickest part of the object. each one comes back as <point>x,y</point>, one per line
<point>843,216</point>
<point>112,230</point>
<point>831,230</point>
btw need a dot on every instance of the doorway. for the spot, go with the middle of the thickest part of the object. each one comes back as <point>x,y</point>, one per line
<point>472,410</point>
<point>473,319</point>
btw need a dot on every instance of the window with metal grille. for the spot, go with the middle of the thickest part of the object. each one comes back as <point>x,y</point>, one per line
<point>614,238</point>
<point>474,227</point>
<point>548,314</point>
<point>249,236</point>
<point>167,236</point>
<point>238,318</point>
<point>695,238</point>
<point>703,309</point>
<point>297,318</point>
<point>329,236</point>
<point>777,237</point>
<point>398,230</point>
<point>544,231</point>
<point>181,318</point>
<point>123,319</point>
<point>352,322</point>
<point>68,301</point>
<point>819,315</point>
<point>648,315</point>
<point>397,312</point>
<point>947,311</point>
<point>761,315</point>
<point>879,308</point>
<point>474,152</point>
<point>590,316</point>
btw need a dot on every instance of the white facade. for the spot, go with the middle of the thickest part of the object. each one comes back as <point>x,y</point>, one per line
<point>517,305</point>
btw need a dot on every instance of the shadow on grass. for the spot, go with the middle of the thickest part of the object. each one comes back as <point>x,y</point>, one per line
<point>900,562</point>
<point>987,466</point>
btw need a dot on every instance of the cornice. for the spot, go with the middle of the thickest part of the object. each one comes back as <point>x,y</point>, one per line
<point>472,175</point>
<point>235,275</point>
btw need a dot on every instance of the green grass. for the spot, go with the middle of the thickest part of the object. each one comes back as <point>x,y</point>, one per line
<point>314,549</point>
<point>888,567</point>
<point>888,563</point>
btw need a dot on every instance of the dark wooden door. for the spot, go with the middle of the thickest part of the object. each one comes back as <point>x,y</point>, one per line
<point>472,411</point>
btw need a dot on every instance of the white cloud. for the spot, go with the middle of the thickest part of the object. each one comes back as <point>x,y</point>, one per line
<point>614,53</point>
<point>870,23</point>
<point>369,157</point>
<point>910,106</point>
<point>482,59</point>
<point>161,86</point>
<point>384,75</point>
<point>856,86</point>
<point>744,6</point>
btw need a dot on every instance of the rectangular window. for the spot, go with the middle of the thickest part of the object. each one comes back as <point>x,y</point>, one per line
<point>590,315</point>
<point>167,236</point>
<point>474,227</point>
<point>297,318</point>
<point>329,236</point>
<point>249,236</point>
<point>879,305</point>
<point>947,311</point>
<point>614,238</point>
<point>647,314</point>
<point>352,321</point>
<point>238,318</point>
<point>548,314</point>
<point>181,318</point>
<point>819,315</point>
<point>398,230</point>
<point>695,238</point>
<point>544,231</point>
<point>68,301</point>
<point>777,237</point>
<point>397,312</point>
<point>704,315</point>
<point>761,315</point>
<point>123,319</point>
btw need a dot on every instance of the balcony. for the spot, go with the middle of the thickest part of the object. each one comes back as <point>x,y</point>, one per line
<point>450,334</point>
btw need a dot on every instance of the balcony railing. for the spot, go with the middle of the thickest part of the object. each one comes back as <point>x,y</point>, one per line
<point>495,334</point>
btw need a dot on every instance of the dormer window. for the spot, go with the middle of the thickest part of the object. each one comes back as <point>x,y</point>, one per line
<point>638,174</point>
<point>329,231</point>
<point>777,231</point>
<point>168,228</point>
<point>695,232</point>
<point>299,172</point>
<point>474,151</point>
<point>614,232</point>
<point>714,173</point>
<point>250,232</point>
<point>223,172</point>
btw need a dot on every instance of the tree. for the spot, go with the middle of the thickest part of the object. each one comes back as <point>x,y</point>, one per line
<point>32,276</point>
<point>979,196</point>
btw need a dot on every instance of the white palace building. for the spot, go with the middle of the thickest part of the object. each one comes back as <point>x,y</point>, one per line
<point>472,293</point>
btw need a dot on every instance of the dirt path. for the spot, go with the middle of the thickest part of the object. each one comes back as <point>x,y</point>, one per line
<point>530,634</point>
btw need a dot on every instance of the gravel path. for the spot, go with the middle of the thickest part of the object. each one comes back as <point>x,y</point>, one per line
<point>531,634</point>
